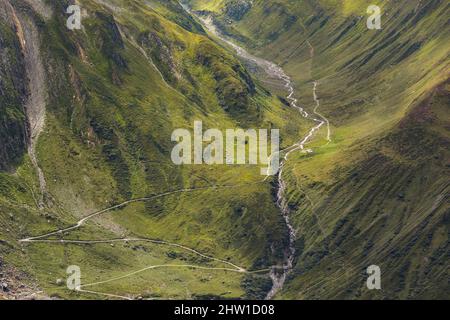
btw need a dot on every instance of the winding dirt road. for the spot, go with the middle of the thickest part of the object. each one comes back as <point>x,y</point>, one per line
<point>231,266</point>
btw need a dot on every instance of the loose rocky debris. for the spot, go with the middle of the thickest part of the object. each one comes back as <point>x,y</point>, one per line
<point>14,285</point>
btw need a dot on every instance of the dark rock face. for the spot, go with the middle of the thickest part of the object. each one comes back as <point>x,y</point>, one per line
<point>237,9</point>
<point>161,54</point>
<point>111,43</point>
<point>234,86</point>
<point>13,124</point>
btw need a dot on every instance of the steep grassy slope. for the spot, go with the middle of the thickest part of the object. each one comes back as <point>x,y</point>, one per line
<point>390,208</point>
<point>116,90</point>
<point>378,193</point>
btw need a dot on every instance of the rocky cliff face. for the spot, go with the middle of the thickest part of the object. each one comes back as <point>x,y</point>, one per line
<point>28,85</point>
<point>237,9</point>
<point>13,93</point>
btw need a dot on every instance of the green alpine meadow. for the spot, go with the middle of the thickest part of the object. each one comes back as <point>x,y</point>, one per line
<point>224,150</point>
